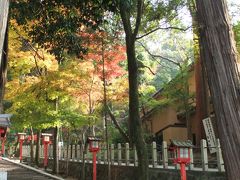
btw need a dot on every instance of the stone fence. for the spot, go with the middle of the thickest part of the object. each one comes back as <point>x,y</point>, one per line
<point>123,155</point>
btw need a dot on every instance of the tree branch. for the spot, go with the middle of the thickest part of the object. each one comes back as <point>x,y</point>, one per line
<point>125,16</point>
<point>161,28</point>
<point>29,44</point>
<point>138,18</point>
<point>159,56</point>
<point>153,73</point>
<point>122,132</point>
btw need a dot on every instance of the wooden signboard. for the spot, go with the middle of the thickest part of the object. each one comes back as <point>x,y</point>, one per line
<point>211,139</point>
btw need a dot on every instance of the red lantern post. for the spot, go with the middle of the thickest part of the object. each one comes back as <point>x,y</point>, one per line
<point>3,138</point>
<point>4,127</point>
<point>94,148</point>
<point>46,140</point>
<point>21,138</point>
<point>181,151</point>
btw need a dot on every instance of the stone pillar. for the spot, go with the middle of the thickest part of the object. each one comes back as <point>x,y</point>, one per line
<point>204,155</point>
<point>112,153</point>
<point>165,154</point>
<point>105,154</point>
<point>78,152</point>
<point>73,152</point>
<point>191,165</point>
<point>119,154</point>
<point>135,156</point>
<point>154,154</point>
<point>220,162</point>
<point>127,154</point>
<point>69,152</point>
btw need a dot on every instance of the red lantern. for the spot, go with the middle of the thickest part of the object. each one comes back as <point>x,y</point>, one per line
<point>94,148</point>
<point>46,140</point>
<point>181,150</point>
<point>21,138</point>
<point>4,127</point>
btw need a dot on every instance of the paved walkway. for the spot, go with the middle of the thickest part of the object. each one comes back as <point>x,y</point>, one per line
<point>17,172</point>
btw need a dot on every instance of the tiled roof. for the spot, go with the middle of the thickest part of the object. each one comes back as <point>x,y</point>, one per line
<point>178,143</point>
<point>5,120</point>
<point>93,138</point>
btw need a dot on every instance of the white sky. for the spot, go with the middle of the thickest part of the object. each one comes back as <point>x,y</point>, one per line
<point>234,10</point>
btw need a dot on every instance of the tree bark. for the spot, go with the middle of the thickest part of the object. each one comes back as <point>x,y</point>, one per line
<point>3,69</point>
<point>105,111</point>
<point>67,158</point>
<point>32,145</point>
<point>37,155</point>
<point>219,55</point>
<point>136,132</point>
<point>4,6</point>
<point>55,151</point>
<point>202,102</point>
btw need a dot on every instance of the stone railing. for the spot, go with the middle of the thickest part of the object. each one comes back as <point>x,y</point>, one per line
<point>123,155</point>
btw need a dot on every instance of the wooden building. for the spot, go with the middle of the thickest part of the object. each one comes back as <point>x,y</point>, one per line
<point>169,122</point>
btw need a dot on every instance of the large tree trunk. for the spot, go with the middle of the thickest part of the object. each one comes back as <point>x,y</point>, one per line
<point>219,56</point>
<point>4,4</point>
<point>136,132</point>
<point>202,103</point>
<point>3,48</point>
<point>32,145</point>
<point>105,110</point>
<point>37,155</point>
<point>55,151</point>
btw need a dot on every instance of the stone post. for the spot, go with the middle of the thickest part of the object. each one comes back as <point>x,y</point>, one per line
<point>65,152</point>
<point>127,154</point>
<point>119,154</point>
<point>191,166</point>
<point>154,154</point>
<point>78,152</point>
<point>69,152</point>
<point>220,162</point>
<point>165,154</point>
<point>112,153</point>
<point>105,154</point>
<point>204,155</point>
<point>41,151</point>
<point>135,156</point>
<point>73,152</point>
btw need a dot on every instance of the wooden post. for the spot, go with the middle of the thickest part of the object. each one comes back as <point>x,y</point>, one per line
<point>191,165</point>
<point>119,154</point>
<point>135,156</point>
<point>127,154</point>
<point>112,153</point>
<point>204,155</point>
<point>220,162</point>
<point>154,154</point>
<point>165,154</point>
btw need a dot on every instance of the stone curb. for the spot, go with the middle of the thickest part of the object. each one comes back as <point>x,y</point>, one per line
<point>34,169</point>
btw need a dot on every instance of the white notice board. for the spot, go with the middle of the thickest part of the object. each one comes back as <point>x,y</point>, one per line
<point>3,175</point>
<point>211,139</point>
